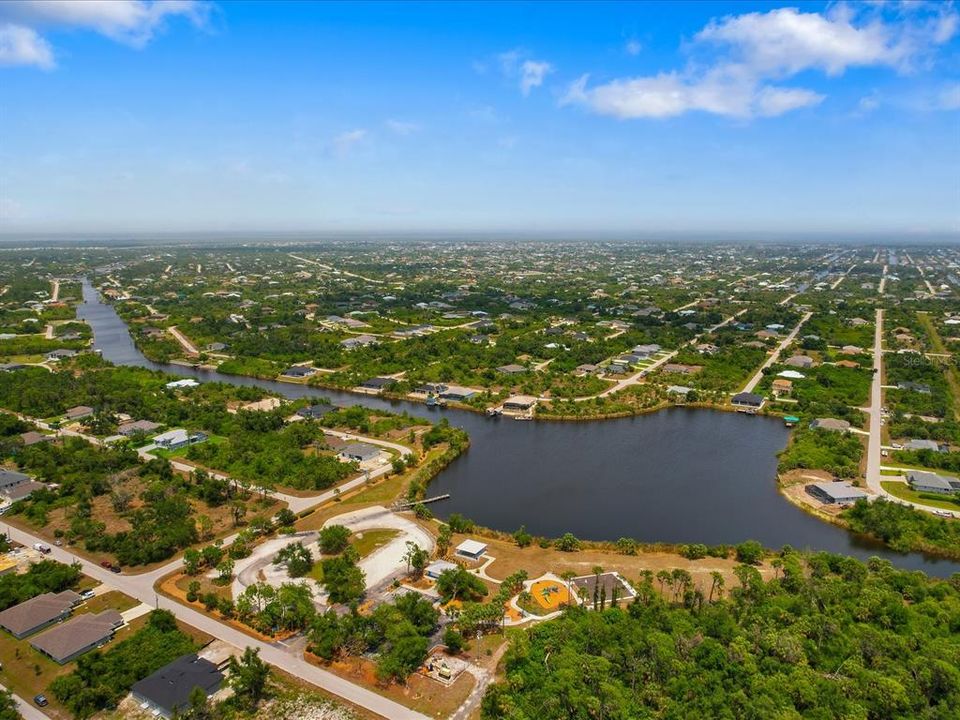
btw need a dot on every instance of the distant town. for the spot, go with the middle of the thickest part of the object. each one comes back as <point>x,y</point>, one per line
<point>223,469</point>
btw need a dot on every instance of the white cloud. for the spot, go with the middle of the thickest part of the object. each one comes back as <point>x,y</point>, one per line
<point>402,127</point>
<point>669,95</point>
<point>532,73</point>
<point>759,50</point>
<point>23,46</point>
<point>868,103</point>
<point>346,141</point>
<point>633,47</point>
<point>132,22</point>
<point>529,73</point>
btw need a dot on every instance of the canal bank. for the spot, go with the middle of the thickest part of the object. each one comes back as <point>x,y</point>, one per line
<point>678,476</point>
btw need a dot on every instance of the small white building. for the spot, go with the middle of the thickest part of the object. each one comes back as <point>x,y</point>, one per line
<point>472,549</point>
<point>185,383</point>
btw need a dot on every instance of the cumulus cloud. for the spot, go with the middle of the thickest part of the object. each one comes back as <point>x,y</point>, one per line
<point>132,22</point>
<point>633,47</point>
<point>529,73</point>
<point>346,141</point>
<point>758,51</point>
<point>532,73</point>
<point>23,46</point>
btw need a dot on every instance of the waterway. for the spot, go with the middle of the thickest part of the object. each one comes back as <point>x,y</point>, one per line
<point>679,475</point>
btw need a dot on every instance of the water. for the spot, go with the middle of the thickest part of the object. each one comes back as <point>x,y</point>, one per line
<point>681,475</point>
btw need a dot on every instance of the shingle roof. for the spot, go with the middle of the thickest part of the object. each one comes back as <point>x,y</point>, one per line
<point>170,686</point>
<point>35,613</point>
<point>66,640</point>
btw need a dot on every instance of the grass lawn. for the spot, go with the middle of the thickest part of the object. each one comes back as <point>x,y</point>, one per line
<point>182,451</point>
<point>904,492</point>
<point>369,540</point>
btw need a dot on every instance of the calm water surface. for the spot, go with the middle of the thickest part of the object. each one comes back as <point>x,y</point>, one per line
<point>681,475</point>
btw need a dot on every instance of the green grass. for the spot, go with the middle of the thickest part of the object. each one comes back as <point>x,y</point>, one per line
<point>182,451</point>
<point>369,540</point>
<point>904,492</point>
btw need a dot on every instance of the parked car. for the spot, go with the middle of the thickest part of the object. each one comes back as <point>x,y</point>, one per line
<point>87,594</point>
<point>40,700</point>
<point>115,569</point>
<point>45,549</point>
<point>106,564</point>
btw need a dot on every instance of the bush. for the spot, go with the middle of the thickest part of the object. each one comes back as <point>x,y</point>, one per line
<point>567,543</point>
<point>453,640</point>
<point>334,539</point>
<point>750,552</point>
<point>694,551</point>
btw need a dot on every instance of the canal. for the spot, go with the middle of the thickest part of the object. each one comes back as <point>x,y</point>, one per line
<point>679,476</point>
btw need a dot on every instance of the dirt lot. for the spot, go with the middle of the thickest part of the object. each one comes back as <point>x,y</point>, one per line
<point>792,486</point>
<point>536,561</point>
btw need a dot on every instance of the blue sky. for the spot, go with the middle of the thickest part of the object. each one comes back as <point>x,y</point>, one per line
<point>757,117</point>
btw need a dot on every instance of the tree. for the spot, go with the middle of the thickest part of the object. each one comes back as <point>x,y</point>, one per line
<point>248,677</point>
<point>460,584</point>
<point>459,524</point>
<point>568,543</point>
<point>444,540</point>
<point>198,707</point>
<point>225,570</point>
<point>522,538</point>
<point>750,552</point>
<point>453,640</point>
<point>342,579</point>
<point>297,558</point>
<point>191,561</point>
<point>284,518</point>
<point>417,558</point>
<point>8,708</point>
<point>334,539</point>
<point>238,509</point>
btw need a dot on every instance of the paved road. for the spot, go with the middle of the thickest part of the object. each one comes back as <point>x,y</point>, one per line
<point>188,346</point>
<point>754,381</point>
<point>140,587</point>
<point>27,710</point>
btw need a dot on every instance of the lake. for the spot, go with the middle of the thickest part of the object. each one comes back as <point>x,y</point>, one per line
<point>680,475</point>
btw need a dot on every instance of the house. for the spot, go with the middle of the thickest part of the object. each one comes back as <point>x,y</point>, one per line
<point>178,438</point>
<point>645,351</point>
<point>434,569</point>
<point>215,347</point>
<point>168,690</point>
<point>800,361</point>
<point>360,341</point>
<point>12,478</point>
<point>432,388</point>
<point>137,426</point>
<point>185,383</point>
<point>11,367</point>
<point>918,444</point>
<point>616,368</point>
<point>315,412</point>
<point>33,437</point>
<point>791,375</point>
<point>835,493</point>
<point>781,386</point>
<point>923,481</point>
<point>358,452</point>
<point>747,400</point>
<point>471,549</point>
<point>914,387</point>
<point>587,369</point>
<point>265,405</point>
<point>850,364</point>
<point>458,393</point>
<point>680,369</point>
<point>679,390</point>
<point>378,383</point>
<point>851,350</point>
<point>519,402</point>
<point>707,349</point>
<point>23,490</point>
<point>38,612</point>
<point>78,412</point>
<point>56,355</point>
<point>830,424</point>
<point>512,369</point>
<point>299,371</point>
<point>78,635</point>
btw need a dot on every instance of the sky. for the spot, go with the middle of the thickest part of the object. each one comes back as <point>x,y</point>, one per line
<point>699,117</point>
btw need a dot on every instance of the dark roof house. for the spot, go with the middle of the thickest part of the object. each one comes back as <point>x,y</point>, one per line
<point>78,635</point>
<point>168,689</point>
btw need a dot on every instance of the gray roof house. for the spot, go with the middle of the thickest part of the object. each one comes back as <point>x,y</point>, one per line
<point>923,481</point>
<point>137,426</point>
<point>38,612</point>
<point>746,399</point>
<point>359,452</point>
<point>12,478</point>
<point>919,444</point>
<point>835,493</point>
<point>831,424</point>
<point>78,635</point>
<point>168,689</point>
